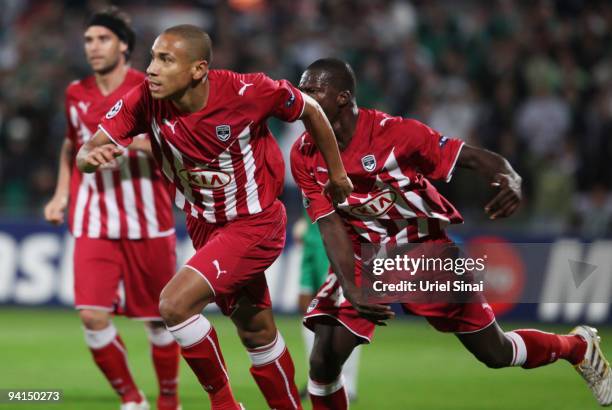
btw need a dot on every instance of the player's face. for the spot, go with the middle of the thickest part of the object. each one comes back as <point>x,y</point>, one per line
<point>316,85</point>
<point>103,49</point>
<point>171,70</point>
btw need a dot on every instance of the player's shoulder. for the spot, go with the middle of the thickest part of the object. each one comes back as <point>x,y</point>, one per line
<point>80,86</point>
<point>241,84</point>
<point>381,120</point>
<point>304,147</point>
<point>386,124</point>
<point>236,78</point>
<point>252,78</point>
<point>230,83</point>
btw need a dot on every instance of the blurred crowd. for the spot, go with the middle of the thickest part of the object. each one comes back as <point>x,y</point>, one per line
<point>531,80</point>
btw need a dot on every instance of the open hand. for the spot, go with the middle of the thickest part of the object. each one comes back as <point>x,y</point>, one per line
<point>507,199</point>
<point>375,313</point>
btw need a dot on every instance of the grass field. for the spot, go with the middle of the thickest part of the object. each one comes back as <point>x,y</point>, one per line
<point>410,366</point>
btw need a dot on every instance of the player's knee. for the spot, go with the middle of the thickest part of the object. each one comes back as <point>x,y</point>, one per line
<point>324,369</point>
<point>94,319</point>
<point>171,310</point>
<point>323,372</point>
<point>257,338</point>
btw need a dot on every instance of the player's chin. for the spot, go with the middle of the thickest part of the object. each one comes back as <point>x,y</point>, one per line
<point>99,66</point>
<point>158,93</point>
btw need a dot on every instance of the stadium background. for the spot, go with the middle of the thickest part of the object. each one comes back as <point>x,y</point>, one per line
<point>531,80</point>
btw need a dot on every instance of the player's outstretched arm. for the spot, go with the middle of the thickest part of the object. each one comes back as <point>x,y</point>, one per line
<point>340,253</point>
<point>99,150</point>
<point>54,210</point>
<point>316,123</point>
<point>499,173</point>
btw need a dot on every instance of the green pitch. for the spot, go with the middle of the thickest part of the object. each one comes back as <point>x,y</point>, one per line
<point>410,366</point>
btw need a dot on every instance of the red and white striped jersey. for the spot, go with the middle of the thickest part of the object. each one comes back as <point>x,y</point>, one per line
<point>127,199</point>
<point>389,161</point>
<point>222,160</point>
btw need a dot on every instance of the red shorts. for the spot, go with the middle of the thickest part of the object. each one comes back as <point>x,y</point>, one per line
<point>143,266</point>
<point>232,257</point>
<point>330,306</point>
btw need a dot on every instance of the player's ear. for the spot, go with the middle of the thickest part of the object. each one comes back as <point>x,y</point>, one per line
<point>344,97</point>
<point>199,70</point>
<point>123,47</point>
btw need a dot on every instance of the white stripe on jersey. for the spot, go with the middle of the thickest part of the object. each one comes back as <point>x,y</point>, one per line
<point>112,210</point>
<point>403,181</point>
<point>94,225</point>
<point>83,132</point>
<point>225,164</point>
<point>148,198</point>
<point>416,200</point>
<point>249,167</point>
<point>372,225</point>
<point>79,207</point>
<point>394,170</point>
<point>129,201</point>
<point>208,202</point>
<point>179,198</point>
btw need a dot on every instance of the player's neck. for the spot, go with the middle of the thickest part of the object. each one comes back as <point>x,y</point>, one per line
<point>344,126</point>
<point>111,80</point>
<point>194,98</point>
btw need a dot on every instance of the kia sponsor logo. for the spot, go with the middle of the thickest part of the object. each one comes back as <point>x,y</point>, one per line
<point>205,178</point>
<point>376,206</point>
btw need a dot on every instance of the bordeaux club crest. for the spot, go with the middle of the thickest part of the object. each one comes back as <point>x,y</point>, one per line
<point>369,162</point>
<point>224,132</point>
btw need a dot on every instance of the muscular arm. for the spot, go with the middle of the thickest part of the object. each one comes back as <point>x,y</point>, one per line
<point>340,253</point>
<point>99,150</point>
<point>317,125</point>
<point>54,210</point>
<point>498,171</point>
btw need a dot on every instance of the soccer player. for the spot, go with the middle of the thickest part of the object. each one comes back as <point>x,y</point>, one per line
<point>121,218</point>
<point>213,145</point>
<point>314,268</point>
<point>394,157</point>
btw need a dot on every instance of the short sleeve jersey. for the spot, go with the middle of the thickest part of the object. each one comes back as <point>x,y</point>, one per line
<point>126,199</point>
<point>390,161</point>
<point>222,160</point>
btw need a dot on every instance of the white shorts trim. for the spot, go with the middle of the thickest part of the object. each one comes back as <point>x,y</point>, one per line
<point>323,216</point>
<point>367,339</point>
<point>204,277</point>
<point>476,331</point>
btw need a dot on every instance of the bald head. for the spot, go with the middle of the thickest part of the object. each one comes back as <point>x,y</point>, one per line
<point>197,42</point>
<point>337,73</point>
